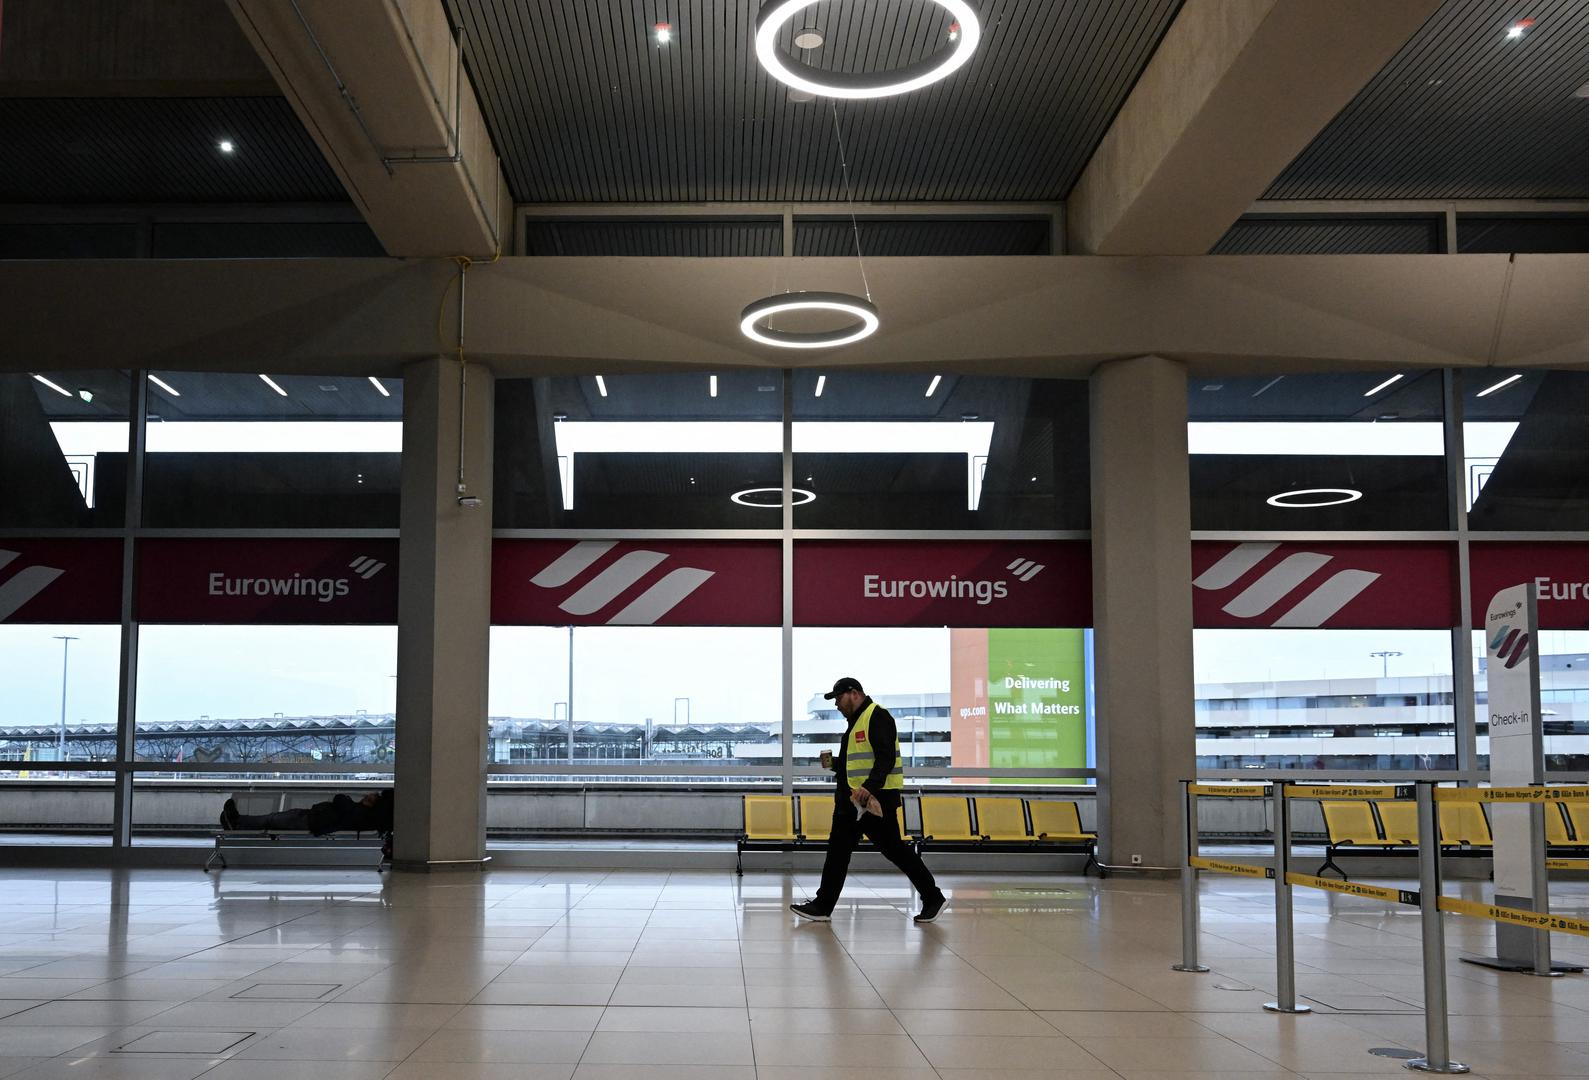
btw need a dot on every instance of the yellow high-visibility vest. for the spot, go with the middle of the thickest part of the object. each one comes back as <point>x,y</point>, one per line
<point>859,758</point>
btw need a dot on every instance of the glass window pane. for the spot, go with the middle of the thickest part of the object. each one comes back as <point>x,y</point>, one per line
<point>318,695</point>
<point>1347,451</point>
<point>63,449</point>
<point>1526,439</point>
<point>640,451</point>
<point>55,680</point>
<point>272,451</point>
<point>887,451</point>
<point>1324,699</point>
<point>963,698</point>
<point>693,696</point>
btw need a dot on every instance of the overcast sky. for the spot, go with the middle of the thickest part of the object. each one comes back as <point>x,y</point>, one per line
<point>620,673</point>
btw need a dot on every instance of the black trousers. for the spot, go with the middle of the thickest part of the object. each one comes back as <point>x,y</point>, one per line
<point>882,832</point>
<point>281,819</point>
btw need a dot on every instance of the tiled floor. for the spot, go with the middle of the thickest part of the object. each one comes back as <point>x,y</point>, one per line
<point>326,975</point>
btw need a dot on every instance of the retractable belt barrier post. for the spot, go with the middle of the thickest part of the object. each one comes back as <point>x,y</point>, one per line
<point>1436,1026</point>
<point>1194,862</point>
<point>1189,914</point>
<point>1285,943</point>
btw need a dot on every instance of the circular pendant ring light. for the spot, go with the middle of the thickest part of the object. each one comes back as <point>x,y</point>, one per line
<point>865,315</point>
<point>777,14</point>
<point>1293,500</point>
<point>800,496</point>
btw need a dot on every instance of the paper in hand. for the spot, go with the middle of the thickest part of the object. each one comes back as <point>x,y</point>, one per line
<point>870,806</point>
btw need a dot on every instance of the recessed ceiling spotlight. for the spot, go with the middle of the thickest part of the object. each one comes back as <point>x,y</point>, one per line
<point>59,389</point>
<point>86,394</point>
<point>865,315</point>
<point>781,65</point>
<point>663,32</point>
<point>1518,29</point>
<point>226,146</point>
<point>1582,91</point>
<point>1315,497</point>
<point>809,38</point>
<point>1393,379</point>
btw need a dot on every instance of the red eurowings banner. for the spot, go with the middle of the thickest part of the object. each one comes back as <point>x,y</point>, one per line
<point>60,581</point>
<point>1560,570</point>
<point>1354,586</point>
<point>292,581</point>
<point>1044,583</point>
<point>636,583</point>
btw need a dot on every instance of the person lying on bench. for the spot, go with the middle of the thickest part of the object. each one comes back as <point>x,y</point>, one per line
<point>372,813</point>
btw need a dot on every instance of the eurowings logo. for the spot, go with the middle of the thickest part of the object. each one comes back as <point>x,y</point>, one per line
<point>1025,569</point>
<point>24,585</point>
<point>1280,582</point>
<point>599,591</point>
<point>1510,646</point>
<point>366,567</point>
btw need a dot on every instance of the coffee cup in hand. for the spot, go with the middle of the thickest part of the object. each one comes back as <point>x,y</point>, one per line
<point>827,759</point>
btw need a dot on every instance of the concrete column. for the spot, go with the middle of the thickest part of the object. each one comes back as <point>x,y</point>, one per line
<point>444,620</point>
<point>1142,606</point>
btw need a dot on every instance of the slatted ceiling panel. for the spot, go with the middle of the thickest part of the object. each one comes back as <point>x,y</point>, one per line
<point>586,107</point>
<point>1462,112</point>
<point>1009,236</point>
<point>660,237</point>
<point>1331,236</point>
<point>133,150</point>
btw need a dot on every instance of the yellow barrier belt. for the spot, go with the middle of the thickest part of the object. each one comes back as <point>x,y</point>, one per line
<point>1232,791</point>
<point>1354,888</point>
<point>1349,791</point>
<point>1511,794</point>
<point>1538,919</point>
<point>1239,869</point>
<point>1567,864</point>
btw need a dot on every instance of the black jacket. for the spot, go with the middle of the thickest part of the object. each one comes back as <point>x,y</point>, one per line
<point>343,812</point>
<point>883,734</point>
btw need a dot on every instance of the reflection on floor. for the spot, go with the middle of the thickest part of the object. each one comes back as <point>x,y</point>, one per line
<point>332,975</point>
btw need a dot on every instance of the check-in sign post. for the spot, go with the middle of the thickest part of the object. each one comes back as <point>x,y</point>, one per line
<point>1517,759</point>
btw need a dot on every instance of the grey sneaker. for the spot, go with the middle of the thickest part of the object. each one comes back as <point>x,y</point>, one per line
<point>809,910</point>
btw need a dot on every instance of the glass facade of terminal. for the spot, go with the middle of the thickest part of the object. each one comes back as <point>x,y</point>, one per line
<point>938,548</point>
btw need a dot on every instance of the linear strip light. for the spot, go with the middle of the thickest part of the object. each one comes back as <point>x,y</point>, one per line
<point>712,386</point>
<point>1508,381</point>
<point>822,381</point>
<point>971,438</point>
<point>1388,382</point>
<point>932,387</point>
<point>167,387</point>
<point>272,384</point>
<point>53,386</point>
<point>377,384</point>
<point>601,384</point>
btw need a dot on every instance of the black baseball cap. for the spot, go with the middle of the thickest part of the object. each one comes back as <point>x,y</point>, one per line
<point>842,686</point>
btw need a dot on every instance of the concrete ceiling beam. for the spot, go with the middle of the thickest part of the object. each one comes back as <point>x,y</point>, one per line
<point>1025,316</point>
<point>380,88</point>
<point>1233,94</point>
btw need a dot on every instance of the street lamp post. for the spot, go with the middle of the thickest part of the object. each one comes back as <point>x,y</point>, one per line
<point>60,737</point>
<point>1384,661</point>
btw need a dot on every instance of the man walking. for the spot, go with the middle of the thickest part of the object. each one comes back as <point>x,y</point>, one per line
<point>869,772</point>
